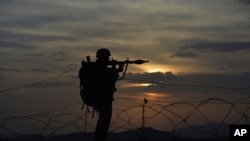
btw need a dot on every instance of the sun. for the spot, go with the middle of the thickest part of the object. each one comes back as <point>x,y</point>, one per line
<point>156,68</point>
<point>152,68</point>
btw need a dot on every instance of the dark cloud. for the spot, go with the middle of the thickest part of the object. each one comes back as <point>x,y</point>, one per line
<point>244,1</point>
<point>61,60</point>
<point>219,47</point>
<point>2,78</point>
<point>183,55</point>
<point>24,40</point>
<point>30,21</point>
<point>28,13</point>
<point>14,44</point>
<point>222,69</point>
<point>34,54</point>
<point>38,70</point>
<point>2,69</point>
<point>60,54</point>
<point>8,1</point>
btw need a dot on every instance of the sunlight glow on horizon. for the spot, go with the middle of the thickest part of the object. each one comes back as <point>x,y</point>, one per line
<point>151,68</point>
<point>136,85</point>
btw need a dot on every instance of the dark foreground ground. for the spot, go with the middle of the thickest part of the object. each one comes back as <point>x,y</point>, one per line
<point>131,135</point>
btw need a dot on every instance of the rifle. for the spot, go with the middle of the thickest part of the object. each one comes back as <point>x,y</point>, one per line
<point>126,62</point>
<point>138,62</point>
<point>113,63</point>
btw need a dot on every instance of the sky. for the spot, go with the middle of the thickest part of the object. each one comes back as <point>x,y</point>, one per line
<point>197,42</point>
<point>179,36</point>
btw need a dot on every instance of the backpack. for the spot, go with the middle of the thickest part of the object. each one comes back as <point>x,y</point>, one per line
<point>88,85</point>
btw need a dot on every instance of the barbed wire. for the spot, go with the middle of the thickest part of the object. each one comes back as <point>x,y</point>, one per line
<point>38,82</point>
<point>55,121</point>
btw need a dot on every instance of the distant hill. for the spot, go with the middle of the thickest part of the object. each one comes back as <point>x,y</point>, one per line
<point>212,131</point>
<point>150,134</point>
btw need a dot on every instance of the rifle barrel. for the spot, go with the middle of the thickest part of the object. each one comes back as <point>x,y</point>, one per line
<point>138,62</point>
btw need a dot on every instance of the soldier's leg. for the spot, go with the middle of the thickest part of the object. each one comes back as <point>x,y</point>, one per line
<point>105,114</point>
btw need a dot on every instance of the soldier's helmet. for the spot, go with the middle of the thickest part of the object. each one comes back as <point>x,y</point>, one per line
<point>103,53</point>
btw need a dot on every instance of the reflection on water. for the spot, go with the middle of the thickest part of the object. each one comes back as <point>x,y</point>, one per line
<point>126,85</point>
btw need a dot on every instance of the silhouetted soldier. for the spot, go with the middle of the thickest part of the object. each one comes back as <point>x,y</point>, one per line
<point>107,77</point>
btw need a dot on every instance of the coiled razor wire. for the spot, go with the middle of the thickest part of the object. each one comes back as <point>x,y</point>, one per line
<point>55,121</point>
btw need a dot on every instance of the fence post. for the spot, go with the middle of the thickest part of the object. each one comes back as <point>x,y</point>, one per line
<point>143,121</point>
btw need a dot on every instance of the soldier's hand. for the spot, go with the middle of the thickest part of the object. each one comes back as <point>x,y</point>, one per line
<point>120,68</point>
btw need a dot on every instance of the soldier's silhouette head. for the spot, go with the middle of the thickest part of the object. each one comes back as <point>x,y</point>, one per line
<point>103,55</point>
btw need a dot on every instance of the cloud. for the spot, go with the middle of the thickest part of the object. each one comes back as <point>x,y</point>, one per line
<point>24,37</point>
<point>219,46</point>
<point>2,69</point>
<point>60,54</point>
<point>136,29</point>
<point>14,44</point>
<point>222,69</point>
<point>34,54</point>
<point>183,55</point>
<point>31,21</point>
<point>38,70</point>
<point>61,60</point>
<point>1,78</point>
<point>28,41</point>
<point>244,1</point>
